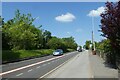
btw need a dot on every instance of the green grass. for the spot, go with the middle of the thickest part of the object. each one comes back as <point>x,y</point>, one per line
<point>70,50</point>
<point>8,55</point>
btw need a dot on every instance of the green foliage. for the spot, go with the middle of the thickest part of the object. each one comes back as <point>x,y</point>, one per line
<point>106,49</point>
<point>47,37</point>
<point>104,46</point>
<point>64,43</point>
<point>110,24</point>
<point>70,50</point>
<point>110,28</point>
<point>20,33</point>
<point>9,55</point>
<point>87,45</point>
<point>1,21</point>
<point>21,39</point>
<point>56,43</point>
<point>69,42</point>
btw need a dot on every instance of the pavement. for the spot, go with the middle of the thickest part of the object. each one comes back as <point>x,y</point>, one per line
<point>85,65</point>
<point>100,69</point>
<point>119,75</point>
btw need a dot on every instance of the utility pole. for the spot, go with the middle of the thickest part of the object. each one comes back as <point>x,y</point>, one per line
<point>93,43</point>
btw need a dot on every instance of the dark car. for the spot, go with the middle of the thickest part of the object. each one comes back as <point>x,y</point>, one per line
<point>58,52</point>
<point>79,49</point>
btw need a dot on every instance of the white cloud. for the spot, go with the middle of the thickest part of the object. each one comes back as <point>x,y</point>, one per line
<point>68,17</point>
<point>78,30</point>
<point>68,32</point>
<point>96,13</point>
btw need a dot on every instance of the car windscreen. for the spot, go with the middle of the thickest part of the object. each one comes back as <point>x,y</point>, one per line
<point>57,50</point>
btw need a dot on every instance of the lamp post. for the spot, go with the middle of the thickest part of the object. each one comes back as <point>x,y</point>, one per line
<point>93,42</point>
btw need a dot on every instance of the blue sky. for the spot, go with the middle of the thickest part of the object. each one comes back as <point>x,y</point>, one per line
<point>62,19</point>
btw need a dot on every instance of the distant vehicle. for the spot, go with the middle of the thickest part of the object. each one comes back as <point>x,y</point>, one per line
<point>58,52</point>
<point>79,49</point>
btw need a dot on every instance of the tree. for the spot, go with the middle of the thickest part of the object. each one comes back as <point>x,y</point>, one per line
<point>6,35</point>
<point>56,43</point>
<point>47,36</point>
<point>110,24</point>
<point>110,27</point>
<point>1,21</point>
<point>70,42</point>
<point>87,45</point>
<point>104,46</point>
<point>21,32</point>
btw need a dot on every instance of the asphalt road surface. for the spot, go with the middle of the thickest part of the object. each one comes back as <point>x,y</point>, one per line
<point>34,68</point>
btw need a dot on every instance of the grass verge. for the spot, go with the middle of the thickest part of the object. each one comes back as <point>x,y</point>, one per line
<point>19,55</point>
<point>10,56</point>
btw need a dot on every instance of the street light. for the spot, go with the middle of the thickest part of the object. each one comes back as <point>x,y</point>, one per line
<point>93,42</point>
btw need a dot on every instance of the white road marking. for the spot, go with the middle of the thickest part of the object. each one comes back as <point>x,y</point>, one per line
<point>38,67</point>
<point>29,65</point>
<point>19,74</point>
<point>30,70</point>
<point>49,63</point>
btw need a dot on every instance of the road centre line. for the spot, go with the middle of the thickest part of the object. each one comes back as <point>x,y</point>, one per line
<point>19,74</point>
<point>30,70</point>
<point>49,63</point>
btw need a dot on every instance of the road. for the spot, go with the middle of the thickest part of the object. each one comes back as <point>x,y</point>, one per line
<point>34,68</point>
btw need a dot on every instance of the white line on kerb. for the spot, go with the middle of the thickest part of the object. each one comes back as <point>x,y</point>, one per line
<point>19,74</point>
<point>29,65</point>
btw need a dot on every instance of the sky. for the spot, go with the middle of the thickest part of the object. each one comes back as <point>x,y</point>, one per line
<point>62,19</point>
<point>58,0</point>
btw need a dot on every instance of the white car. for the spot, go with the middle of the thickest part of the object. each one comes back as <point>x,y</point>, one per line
<point>58,52</point>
